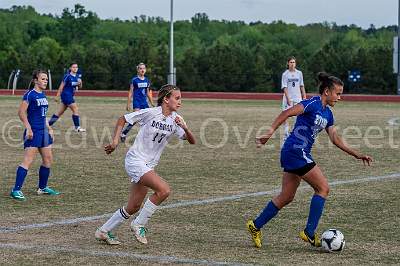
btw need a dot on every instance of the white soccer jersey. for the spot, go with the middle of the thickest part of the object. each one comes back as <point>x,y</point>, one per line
<point>292,80</point>
<point>154,134</point>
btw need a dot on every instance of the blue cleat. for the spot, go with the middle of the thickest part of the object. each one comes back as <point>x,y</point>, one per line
<point>18,195</point>
<point>47,191</point>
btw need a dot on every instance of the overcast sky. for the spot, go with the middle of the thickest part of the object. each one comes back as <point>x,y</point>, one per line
<point>359,12</point>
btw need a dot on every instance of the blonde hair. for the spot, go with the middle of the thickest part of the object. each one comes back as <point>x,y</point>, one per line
<point>165,91</point>
<point>140,64</point>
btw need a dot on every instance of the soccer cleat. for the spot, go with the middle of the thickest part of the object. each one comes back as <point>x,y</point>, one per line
<point>314,241</point>
<point>106,237</point>
<point>256,234</point>
<point>18,195</point>
<point>140,233</point>
<point>47,191</point>
<point>123,137</point>
<point>79,129</point>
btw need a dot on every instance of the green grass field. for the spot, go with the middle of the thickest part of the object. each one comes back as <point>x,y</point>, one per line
<point>224,163</point>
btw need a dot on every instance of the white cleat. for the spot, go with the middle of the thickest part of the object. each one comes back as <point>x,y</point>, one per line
<point>79,129</point>
<point>140,233</point>
<point>106,237</point>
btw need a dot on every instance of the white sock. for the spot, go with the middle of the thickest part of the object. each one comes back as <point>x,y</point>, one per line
<point>145,213</point>
<point>116,219</point>
<point>286,129</point>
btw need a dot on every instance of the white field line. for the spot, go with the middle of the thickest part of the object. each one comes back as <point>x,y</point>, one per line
<point>190,203</point>
<point>120,254</point>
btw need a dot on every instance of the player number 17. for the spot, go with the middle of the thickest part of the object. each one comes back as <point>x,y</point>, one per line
<point>161,137</point>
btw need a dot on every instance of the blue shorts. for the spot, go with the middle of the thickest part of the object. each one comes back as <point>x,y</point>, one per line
<point>67,99</point>
<point>41,139</point>
<point>292,159</point>
<point>140,105</point>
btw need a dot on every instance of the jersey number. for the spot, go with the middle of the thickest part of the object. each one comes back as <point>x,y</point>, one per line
<point>44,111</point>
<point>161,137</point>
<point>293,84</point>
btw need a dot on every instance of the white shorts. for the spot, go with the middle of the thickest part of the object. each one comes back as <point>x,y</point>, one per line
<point>286,106</point>
<point>136,168</point>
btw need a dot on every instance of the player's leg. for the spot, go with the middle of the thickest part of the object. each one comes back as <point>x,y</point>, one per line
<point>161,192</point>
<point>136,196</point>
<point>319,183</point>
<point>75,117</point>
<point>44,172</point>
<point>22,171</point>
<point>290,183</point>
<point>57,115</point>
<point>286,128</point>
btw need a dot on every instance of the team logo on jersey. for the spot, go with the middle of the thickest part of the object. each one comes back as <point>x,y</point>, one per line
<point>320,123</point>
<point>162,126</point>
<point>42,101</point>
<point>142,85</point>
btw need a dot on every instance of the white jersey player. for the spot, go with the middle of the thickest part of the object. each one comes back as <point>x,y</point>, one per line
<point>157,126</point>
<point>293,89</point>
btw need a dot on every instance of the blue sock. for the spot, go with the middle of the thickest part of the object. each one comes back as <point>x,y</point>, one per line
<point>53,119</point>
<point>44,173</point>
<point>127,129</point>
<point>316,208</point>
<point>75,118</point>
<point>267,214</point>
<point>20,178</point>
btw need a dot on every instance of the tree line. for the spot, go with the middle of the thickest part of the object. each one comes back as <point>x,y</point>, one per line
<point>210,55</point>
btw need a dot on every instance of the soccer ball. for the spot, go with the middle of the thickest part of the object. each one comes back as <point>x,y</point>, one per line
<point>332,240</point>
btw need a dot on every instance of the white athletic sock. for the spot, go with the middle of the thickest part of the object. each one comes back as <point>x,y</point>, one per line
<point>116,219</point>
<point>286,129</point>
<point>145,213</point>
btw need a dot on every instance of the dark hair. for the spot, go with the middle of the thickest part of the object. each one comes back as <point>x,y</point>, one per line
<point>290,58</point>
<point>327,81</point>
<point>35,75</point>
<point>73,63</point>
<point>165,91</point>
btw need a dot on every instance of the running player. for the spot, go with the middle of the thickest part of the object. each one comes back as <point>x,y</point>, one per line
<point>293,89</point>
<point>157,126</point>
<point>67,88</point>
<point>313,116</point>
<point>38,136</point>
<point>138,94</point>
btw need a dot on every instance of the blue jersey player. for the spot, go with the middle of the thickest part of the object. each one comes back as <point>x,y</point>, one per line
<point>70,83</point>
<point>38,136</point>
<point>313,116</point>
<point>139,92</point>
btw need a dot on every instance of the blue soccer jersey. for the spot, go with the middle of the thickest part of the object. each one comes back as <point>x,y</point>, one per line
<point>70,84</point>
<point>140,87</point>
<point>297,147</point>
<point>37,109</point>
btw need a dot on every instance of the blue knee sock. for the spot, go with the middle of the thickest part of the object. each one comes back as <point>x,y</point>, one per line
<point>316,208</point>
<point>20,178</point>
<point>75,118</point>
<point>53,119</point>
<point>127,129</point>
<point>267,214</point>
<point>44,173</point>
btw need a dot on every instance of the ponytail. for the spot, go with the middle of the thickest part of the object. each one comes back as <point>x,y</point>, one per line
<point>327,81</point>
<point>35,76</point>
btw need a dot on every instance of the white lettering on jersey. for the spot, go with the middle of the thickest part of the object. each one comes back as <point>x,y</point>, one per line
<point>320,123</point>
<point>142,85</point>
<point>42,101</point>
